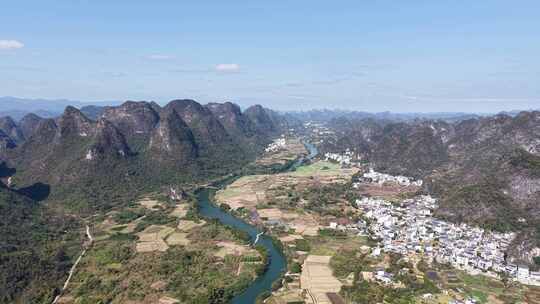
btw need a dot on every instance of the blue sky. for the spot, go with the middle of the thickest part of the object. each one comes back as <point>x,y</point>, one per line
<point>370,55</point>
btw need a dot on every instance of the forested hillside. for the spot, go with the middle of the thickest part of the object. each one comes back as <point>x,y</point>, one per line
<point>34,248</point>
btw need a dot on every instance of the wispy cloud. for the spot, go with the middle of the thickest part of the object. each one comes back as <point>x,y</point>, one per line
<point>301,97</point>
<point>10,44</point>
<point>228,67</point>
<point>294,85</point>
<point>470,99</point>
<point>160,57</point>
<point>331,81</point>
<point>22,68</point>
<point>191,70</point>
<point>115,74</point>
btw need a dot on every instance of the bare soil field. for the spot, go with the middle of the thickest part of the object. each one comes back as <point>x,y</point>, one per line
<point>180,210</point>
<point>249,191</point>
<point>186,226</point>
<point>152,238</point>
<point>231,248</point>
<point>318,280</point>
<point>178,238</point>
<point>290,238</point>
<point>149,203</point>
<point>168,300</point>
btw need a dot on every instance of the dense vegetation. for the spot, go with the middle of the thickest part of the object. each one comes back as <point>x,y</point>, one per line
<point>484,203</point>
<point>324,198</point>
<point>35,249</point>
<point>362,291</point>
<point>112,272</point>
<point>527,161</point>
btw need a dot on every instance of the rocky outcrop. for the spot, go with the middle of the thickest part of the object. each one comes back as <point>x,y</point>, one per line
<point>262,120</point>
<point>208,132</point>
<point>172,139</point>
<point>10,128</point>
<point>28,124</point>
<point>231,117</point>
<point>133,119</point>
<point>74,124</point>
<point>108,141</point>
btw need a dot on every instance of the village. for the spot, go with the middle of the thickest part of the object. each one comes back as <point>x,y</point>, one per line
<point>405,227</point>
<point>276,145</point>
<point>408,228</point>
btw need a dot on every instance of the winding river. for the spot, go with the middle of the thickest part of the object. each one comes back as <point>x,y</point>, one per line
<point>277,262</point>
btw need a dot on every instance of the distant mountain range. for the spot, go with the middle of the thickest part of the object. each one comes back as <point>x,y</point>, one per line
<point>18,107</point>
<point>48,108</point>
<point>326,115</point>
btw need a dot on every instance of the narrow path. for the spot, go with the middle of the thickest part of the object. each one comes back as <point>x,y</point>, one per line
<point>72,270</point>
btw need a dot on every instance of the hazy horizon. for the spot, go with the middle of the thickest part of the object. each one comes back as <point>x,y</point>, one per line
<point>58,105</point>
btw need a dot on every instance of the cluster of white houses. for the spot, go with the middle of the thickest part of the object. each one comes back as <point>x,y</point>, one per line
<point>408,227</point>
<point>381,178</point>
<point>342,158</point>
<point>276,145</point>
<point>318,129</point>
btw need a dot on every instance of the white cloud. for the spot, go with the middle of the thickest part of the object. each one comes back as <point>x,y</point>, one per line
<point>227,67</point>
<point>10,44</point>
<point>160,57</point>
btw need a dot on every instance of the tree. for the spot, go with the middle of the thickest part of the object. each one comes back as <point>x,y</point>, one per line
<point>296,267</point>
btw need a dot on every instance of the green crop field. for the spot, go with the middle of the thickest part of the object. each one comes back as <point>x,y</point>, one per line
<point>318,168</point>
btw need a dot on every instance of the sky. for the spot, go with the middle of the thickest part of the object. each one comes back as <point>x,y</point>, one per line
<point>367,55</point>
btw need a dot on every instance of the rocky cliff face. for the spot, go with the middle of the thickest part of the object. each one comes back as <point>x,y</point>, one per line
<point>232,119</point>
<point>10,128</point>
<point>206,128</point>
<point>133,118</point>
<point>172,139</point>
<point>6,143</point>
<point>73,124</point>
<point>28,124</point>
<point>262,119</point>
<point>108,141</point>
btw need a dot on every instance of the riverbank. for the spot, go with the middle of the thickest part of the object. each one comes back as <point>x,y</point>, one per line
<point>277,263</point>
